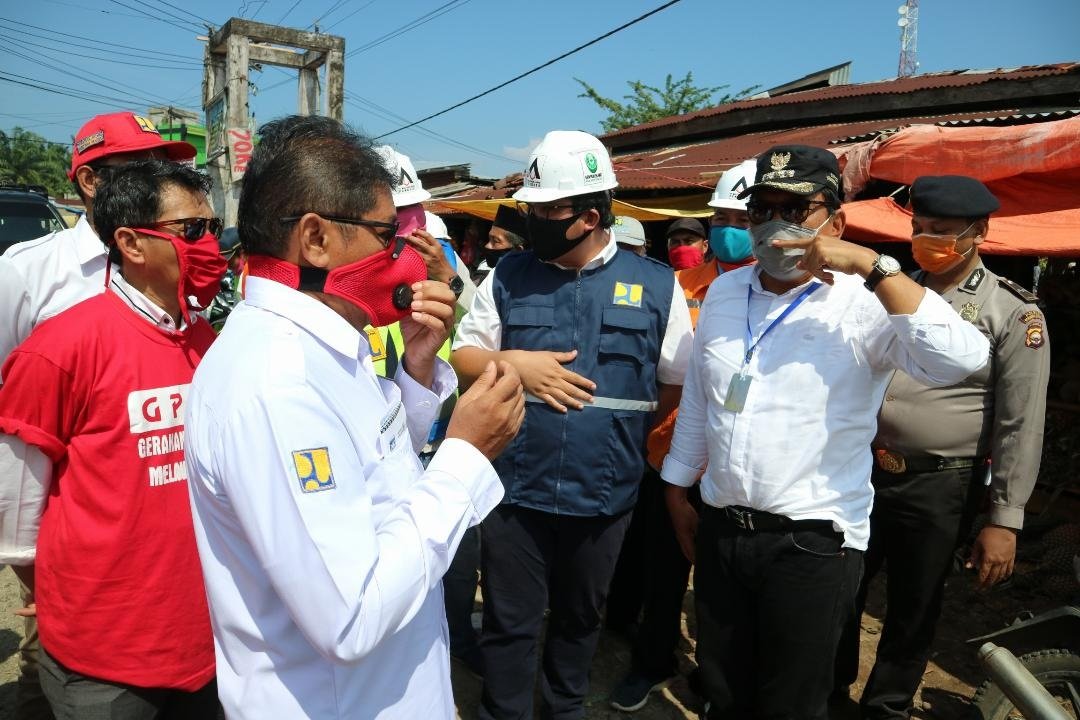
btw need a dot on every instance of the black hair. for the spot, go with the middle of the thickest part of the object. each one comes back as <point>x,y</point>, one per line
<point>129,195</point>
<point>832,200</point>
<point>305,163</point>
<point>601,201</point>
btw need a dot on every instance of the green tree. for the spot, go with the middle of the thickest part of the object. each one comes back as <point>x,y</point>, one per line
<point>646,103</point>
<point>28,158</point>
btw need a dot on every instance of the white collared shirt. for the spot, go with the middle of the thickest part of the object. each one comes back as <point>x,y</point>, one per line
<point>323,540</point>
<point>801,445</point>
<point>43,277</point>
<point>482,327</point>
<point>143,306</point>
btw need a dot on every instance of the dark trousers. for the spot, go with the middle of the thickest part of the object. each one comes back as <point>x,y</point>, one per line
<point>770,609</point>
<point>77,697</point>
<point>30,701</point>
<point>650,580</point>
<point>917,522</point>
<point>459,594</point>
<point>533,560</point>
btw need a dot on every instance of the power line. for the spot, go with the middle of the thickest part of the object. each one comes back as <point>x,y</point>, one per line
<point>200,18</point>
<point>69,70</point>
<point>379,111</point>
<point>157,53</point>
<point>535,69</point>
<point>153,17</point>
<point>333,7</point>
<point>411,25</point>
<point>288,12</point>
<point>362,7</point>
<point>174,16</point>
<point>73,92</point>
<point>176,66</point>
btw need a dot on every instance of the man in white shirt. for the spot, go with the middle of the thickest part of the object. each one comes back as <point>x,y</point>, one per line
<point>323,539</point>
<point>41,278</point>
<point>791,360</point>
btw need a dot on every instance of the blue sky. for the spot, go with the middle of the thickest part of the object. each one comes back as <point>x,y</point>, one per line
<point>475,44</point>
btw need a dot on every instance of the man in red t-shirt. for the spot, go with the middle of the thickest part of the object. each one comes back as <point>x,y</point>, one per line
<point>92,460</point>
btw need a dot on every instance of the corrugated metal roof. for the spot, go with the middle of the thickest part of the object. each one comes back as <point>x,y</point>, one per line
<point>951,78</point>
<point>687,166</point>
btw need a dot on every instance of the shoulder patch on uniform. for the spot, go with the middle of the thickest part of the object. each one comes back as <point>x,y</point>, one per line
<point>1034,335</point>
<point>313,470</point>
<point>1017,290</point>
<point>627,294</point>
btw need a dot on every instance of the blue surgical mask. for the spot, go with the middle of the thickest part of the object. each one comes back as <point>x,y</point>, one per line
<point>729,244</point>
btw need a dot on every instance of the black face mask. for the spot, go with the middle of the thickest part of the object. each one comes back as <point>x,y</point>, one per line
<point>548,237</point>
<point>492,257</point>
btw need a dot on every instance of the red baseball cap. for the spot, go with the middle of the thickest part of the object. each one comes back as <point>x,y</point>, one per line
<point>122,132</point>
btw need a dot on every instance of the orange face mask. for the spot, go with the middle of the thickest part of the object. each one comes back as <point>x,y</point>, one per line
<point>937,253</point>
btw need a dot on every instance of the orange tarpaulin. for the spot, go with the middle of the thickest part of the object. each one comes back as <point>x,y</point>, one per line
<point>1033,169</point>
<point>1045,234</point>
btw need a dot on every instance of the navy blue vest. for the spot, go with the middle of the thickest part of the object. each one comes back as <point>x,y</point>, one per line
<point>587,462</point>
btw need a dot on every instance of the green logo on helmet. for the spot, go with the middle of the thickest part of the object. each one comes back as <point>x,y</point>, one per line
<point>590,162</point>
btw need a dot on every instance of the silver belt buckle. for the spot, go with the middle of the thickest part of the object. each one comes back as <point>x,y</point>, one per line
<point>741,518</point>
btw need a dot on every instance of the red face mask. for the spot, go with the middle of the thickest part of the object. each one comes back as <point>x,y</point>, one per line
<point>685,256</point>
<point>201,270</point>
<point>380,284</point>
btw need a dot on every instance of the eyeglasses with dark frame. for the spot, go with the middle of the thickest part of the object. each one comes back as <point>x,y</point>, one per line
<point>386,237</point>
<point>525,209</point>
<point>793,212</point>
<point>194,228</point>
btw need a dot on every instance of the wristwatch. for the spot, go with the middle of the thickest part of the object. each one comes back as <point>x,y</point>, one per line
<point>457,285</point>
<point>883,267</point>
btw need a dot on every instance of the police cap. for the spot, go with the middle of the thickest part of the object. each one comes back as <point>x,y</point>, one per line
<point>951,196</point>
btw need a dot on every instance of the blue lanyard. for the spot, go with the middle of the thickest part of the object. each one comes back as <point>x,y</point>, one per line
<point>752,346</point>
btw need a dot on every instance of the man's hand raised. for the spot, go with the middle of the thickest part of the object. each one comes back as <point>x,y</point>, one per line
<point>489,414</point>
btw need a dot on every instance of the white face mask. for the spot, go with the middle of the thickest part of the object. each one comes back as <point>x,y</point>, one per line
<point>780,263</point>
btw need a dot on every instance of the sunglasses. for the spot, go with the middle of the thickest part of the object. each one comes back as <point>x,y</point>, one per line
<point>794,212</point>
<point>194,228</point>
<point>389,230</point>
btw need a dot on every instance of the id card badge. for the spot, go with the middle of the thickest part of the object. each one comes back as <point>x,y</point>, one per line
<point>737,390</point>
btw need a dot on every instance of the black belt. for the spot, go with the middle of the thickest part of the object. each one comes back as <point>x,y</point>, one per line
<point>746,519</point>
<point>896,463</point>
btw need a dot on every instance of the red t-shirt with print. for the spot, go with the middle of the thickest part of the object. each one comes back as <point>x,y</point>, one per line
<point>119,587</point>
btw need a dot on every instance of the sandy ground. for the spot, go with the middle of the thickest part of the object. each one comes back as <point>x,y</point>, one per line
<point>949,681</point>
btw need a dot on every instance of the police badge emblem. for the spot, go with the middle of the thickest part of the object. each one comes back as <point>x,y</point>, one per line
<point>970,311</point>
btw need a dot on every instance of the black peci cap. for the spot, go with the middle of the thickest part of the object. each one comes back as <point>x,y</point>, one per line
<point>799,169</point>
<point>508,218</point>
<point>951,196</point>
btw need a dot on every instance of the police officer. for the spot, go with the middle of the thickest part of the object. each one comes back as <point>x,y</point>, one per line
<point>601,339</point>
<point>933,445</point>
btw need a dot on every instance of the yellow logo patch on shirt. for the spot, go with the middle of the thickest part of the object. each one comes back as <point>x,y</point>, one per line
<point>627,294</point>
<point>313,470</point>
<point>378,347</point>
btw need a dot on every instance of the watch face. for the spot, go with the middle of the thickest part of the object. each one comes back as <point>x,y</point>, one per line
<point>457,284</point>
<point>888,264</point>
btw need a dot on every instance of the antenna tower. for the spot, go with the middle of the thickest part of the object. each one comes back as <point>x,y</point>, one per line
<point>909,35</point>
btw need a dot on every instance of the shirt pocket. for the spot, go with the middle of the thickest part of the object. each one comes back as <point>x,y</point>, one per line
<point>624,337</point>
<point>528,326</point>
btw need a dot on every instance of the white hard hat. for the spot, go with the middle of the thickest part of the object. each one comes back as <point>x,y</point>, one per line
<point>407,189</point>
<point>564,164</point>
<point>628,231</point>
<point>731,183</point>
<point>436,226</point>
